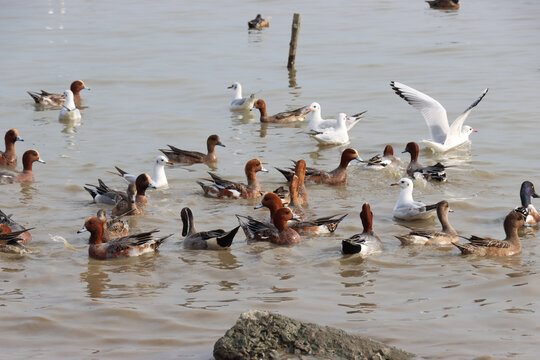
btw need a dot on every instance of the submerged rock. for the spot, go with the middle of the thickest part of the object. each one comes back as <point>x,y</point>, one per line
<point>265,335</point>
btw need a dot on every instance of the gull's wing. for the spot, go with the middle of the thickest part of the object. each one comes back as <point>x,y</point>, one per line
<point>455,128</point>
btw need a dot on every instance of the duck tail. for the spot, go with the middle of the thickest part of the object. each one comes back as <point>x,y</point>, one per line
<point>227,239</point>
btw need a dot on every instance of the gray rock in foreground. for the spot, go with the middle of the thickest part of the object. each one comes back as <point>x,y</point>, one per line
<point>265,335</point>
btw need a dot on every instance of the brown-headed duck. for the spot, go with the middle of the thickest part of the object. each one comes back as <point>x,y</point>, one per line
<point>194,157</point>
<point>27,175</point>
<point>379,162</point>
<point>300,171</point>
<point>279,233</point>
<point>113,228</point>
<point>367,242</point>
<point>47,99</point>
<point>9,157</point>
<point>434,172</point>
<point>282,117</point>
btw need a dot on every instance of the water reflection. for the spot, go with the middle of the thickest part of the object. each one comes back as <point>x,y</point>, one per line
<point>27,191</point>
<point>242,117</point>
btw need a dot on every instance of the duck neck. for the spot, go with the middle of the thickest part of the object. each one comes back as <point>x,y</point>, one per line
<point>511,232</point>
<point>211,148</point>
<point>281,224</point>
<point>27,165</point>
<point>445,223</point>
<point>253,183</point>
<point>10,146</point>
<point>262,110</point>
<point>525,198</point>
<point>273,207</point>
<point>187,220</point>
<point>96,235</point>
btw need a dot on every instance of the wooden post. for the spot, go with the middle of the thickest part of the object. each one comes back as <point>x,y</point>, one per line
<point>294,40</point>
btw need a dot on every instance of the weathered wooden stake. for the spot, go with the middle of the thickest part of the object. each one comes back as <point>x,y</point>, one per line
<point>294,40</point>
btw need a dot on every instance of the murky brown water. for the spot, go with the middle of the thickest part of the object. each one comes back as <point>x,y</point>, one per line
<point>158,75</point>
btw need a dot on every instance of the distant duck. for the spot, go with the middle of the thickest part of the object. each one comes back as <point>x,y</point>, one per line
<point>317,123</point>
<point>511,245</point>
<point>212,240</point>
<point>532,217</point>
<point>408,209</point>
<point>434,172</point>
<point>258,23</point>
<point>282,117</point>
<point>194,157</point>
<point>239,102</point>
<point>51,100</point>
<point>365,243</point>
<point>9,157</point>
<point>444,4</point>
<point>380,162</point>
<point>69,112</point>
<point>335,135</point>
<point>446,236</point>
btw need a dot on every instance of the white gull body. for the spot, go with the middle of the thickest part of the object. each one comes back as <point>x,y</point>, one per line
<point>406,208</point>
<point>159,179</point>
<point>238,102</point>
<point>69,111</point>
<point>317,123</point>
<point>334,136</point>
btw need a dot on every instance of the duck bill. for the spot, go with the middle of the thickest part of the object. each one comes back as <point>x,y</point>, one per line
<point>152,185</point>
<point>132,199</point>
<point>296,218</point>
<point>259,206</point>
<point>41,161</point>
<point>81,230</point>
<point>220,144</point>
<point>19,139</point>
<point>535,195</point>
<point>263,170</point>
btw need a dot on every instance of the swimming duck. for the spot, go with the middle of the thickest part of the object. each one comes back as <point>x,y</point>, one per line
<point>443,136</point>
<point>102,194</point>
<point>527,191</point>
<point>443,4</point>
<point>9,157</point>
<point>8,225</point>
<point>367,242</point>
<point>408,209</point>
<point>282,117</point>
<point>434,172</point>
<point>126,203</point>
<point>511,245</point>
<point>300,171</point>
<point>27,175</point>
<point>335,135</point>
<point>10,242</point>
<point>222,188</point>
<point>279,233</point>
<point>113,228</point>
<point>379,162</point>
<point>317,123</point>
<point>47,99</point>
<point>158,178</point>
<point>432,237</point>
<point>258,23</point>
<point>239,103</point>
<point>125,246</point>
<point>195,157</point>
<point>69,112</point>
<point>212,240</point>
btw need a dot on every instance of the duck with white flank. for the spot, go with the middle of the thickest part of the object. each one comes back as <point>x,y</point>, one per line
<point>367,242</point>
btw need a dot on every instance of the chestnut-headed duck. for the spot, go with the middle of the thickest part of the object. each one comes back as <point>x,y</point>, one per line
<point>336,176</point>
<point>365,243</point>
<point>443,136</point>
<point>443,4</point>
<point>432,237</point>
<point>300,171</point>
<point>47,99</point>
<point>69,111</point>
<point>222,188</point>
<point>317,123</point>
<point>194,157</point>
<point>408,209</point>
<point>380,162</point>
<point>239,103</point>
<point>207,240</point>
<point>279,233</point>
<point>27,175</point>
<point>532,217</point>
<point>511,245</point>
<point>335,135</point>
<point>258,23</point>
<point>102,194</point>
<point>282,117</point>
<point>158,178</point>
<point>317,226</point>
<point>113,228</point>
<point>126,203</point>
<point>9,157</point>
<point>126,246</point>
<point>434,172</point>
<point>8,225</point>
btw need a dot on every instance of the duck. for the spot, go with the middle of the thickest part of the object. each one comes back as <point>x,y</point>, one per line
<point>380,162</point>
<point>526,192</point>
<point>125,246</point>
<point>10,242</point>
<point>9,157</point>
<point>126,203</point>
<point>278,233</point>
<point>239,103</point>
<point>258,23</point>
<point>367,242</point>
<point>317,123</point>
<point>113,228</point>
<point>446,236</point>
<point>208,240</point>
<point>158,178</point>
<point>408,209</point>
<point>8,225</point>
<point>434,172</point>
<point>221,188</point>
<point>102,194</point>
<point>69,111</point>
<point>51,100</point>
<point>27,175</point>
<point>444,137</point>
<point>443,4</point>
<point>336,176</point>
<point>509,246</point>
<point>321,225</point>
<point>194,157</point>
<point>282,117</point>
<point>299,170</point>
<point>335,135</point>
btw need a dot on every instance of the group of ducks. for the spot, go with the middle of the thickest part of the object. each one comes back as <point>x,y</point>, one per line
<point>286,222</point>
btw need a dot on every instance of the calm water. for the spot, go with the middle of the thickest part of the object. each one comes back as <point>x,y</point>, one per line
<point>158,75</point>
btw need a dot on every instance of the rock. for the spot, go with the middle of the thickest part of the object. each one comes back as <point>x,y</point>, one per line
<point>265,335</point>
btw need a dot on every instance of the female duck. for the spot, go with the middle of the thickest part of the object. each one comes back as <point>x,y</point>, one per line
<point>367,242</point>
<point>408,209</point>
<point>27,175</point>
<point>9,157</point>
<point>300,171</point>
<point>195,157</point>
<point>113,228</point>
<point>446,236</point>
<point>511,245</point>
<point>279,233</point>
<point>126,246</point>
<point>208,240</point>
<point>282,117</point>
<point>126,204</point>
<point>433,172</point>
